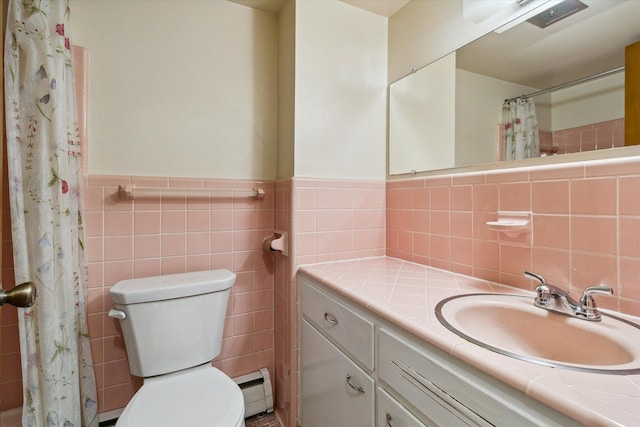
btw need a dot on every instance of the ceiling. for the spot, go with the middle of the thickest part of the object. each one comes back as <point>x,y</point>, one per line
<point>583,44</point>
<point>271,6</point>
<point>384,8</point>
<point>586,43</point>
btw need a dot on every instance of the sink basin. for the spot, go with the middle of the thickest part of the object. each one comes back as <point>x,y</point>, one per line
<point>511,325</point>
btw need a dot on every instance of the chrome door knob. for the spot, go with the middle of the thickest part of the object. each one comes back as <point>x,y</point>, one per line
<point>23,295</point>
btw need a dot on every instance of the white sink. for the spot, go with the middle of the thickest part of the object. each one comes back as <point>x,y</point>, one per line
<point>513,326</point>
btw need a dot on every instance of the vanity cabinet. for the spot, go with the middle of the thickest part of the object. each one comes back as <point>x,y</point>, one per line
<point>359,369</point>
<point>335,392</point>
<point>337,361</point>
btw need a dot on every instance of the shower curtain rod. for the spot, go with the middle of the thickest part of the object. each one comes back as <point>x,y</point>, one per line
<point>569,84</point>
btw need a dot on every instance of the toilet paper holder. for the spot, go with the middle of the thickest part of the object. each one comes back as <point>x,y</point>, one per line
<point>277,242</point>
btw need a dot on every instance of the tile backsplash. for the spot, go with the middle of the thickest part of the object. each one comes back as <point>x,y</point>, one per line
<point>595,136</point>
<point>584,229</point>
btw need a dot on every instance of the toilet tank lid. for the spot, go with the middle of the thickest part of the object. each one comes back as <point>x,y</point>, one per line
<point>170,286</point>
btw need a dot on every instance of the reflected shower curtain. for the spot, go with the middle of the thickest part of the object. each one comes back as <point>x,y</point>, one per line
<point>43,158</point>
<point>520,129</point>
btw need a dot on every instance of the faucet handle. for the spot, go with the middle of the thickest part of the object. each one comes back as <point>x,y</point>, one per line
<point>588,305</point>
<point>542,290</point>
<point>545,291</point>
<point>542,295</point>
<point>535,276</point>
<point>599,289</point>
<point>545,288</point>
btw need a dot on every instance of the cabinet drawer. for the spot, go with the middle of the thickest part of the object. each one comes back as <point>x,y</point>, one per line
<point>392,414</point>
<point>349,330</point>
<point>423,383</point>
<point>410,373</point>
<point>335,392</point>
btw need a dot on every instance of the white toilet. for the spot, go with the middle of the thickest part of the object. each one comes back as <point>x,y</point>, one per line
<point>172,327</point>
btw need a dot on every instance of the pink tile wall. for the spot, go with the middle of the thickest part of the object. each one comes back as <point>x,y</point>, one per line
<point>597,136</point>
<point>174,234</point>
<point>329,220</point>
<point>11,380</point>
<point>284,292</point>
<point>337,220</point>
<point>546,143</point>
<point>584,230</point>
<point>145,237</point>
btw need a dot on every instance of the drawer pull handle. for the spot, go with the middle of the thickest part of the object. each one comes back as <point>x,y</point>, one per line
<point>388,418</point>
<point>330,318</point>
<point>355,387</point>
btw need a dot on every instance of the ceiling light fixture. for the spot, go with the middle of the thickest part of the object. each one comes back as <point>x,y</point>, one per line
<point>532,7</point>
<point>556,13</point>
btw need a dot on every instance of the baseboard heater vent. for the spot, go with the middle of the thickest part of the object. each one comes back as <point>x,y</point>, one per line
<point>257,391</point>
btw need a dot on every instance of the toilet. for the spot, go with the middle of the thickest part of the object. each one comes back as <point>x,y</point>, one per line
<point>172,327</point>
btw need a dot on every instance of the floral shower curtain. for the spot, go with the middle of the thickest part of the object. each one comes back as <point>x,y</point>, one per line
<point>43,158</point>
<point>520,129</point>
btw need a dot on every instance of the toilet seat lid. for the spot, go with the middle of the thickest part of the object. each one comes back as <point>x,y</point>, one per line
<point>201,396</point>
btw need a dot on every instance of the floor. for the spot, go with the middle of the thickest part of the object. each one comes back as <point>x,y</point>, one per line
<point>262,420</point>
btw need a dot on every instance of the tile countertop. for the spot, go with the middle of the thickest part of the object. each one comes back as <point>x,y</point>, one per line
<point>406,294</point>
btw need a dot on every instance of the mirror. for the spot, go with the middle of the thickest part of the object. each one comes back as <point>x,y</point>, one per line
<point>462,127</point>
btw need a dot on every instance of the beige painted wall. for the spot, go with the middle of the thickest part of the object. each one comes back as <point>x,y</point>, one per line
<point>180,87</point>
<point>422,122</point>
<point>191,88</point>
<point>592,102</point>
<point>340,96</point>
<point>286,89</point>
<point>423,31</point>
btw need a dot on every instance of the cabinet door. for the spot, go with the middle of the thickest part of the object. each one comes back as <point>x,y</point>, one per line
<point>392,414</point>
<point>335,392</point>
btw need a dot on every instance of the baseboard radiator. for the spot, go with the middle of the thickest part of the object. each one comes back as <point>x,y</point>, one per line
<point>257,391</point>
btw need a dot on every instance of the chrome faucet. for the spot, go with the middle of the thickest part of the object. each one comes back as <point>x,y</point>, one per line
<point>555,299</point>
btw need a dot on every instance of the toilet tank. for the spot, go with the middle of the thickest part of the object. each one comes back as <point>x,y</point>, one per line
<point>172,322</point>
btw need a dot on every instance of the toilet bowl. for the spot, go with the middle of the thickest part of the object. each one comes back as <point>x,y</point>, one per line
<point>201,396</point>
<point>172,327</point>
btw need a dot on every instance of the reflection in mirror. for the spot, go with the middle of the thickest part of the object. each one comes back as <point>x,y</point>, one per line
<point>413,118</point>
<point>522,60</point>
